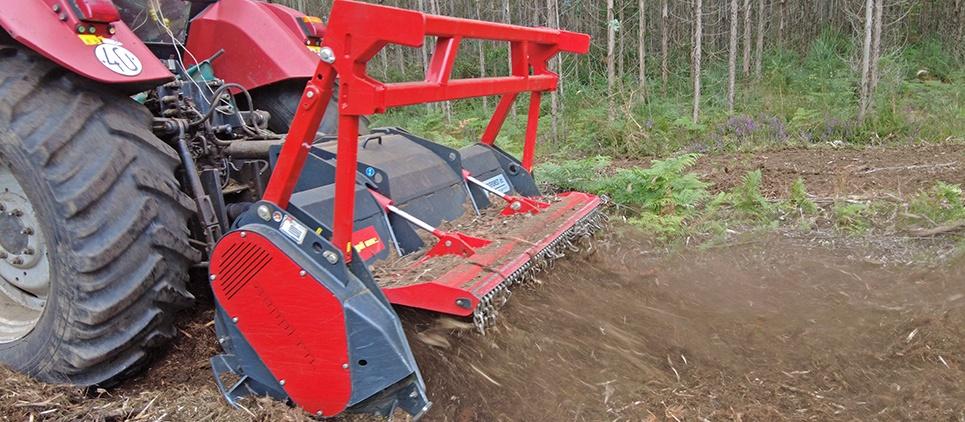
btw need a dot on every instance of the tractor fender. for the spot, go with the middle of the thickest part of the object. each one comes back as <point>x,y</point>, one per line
<point>51,28</point>
<point>263,43</point>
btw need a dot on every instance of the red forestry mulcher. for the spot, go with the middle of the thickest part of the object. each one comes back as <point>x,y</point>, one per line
<point>126,158</point>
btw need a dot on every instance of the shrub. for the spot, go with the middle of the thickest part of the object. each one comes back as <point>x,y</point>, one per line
<point>940,204</point>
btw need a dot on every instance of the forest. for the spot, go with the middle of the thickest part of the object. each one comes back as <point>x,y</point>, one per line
<point>670,75</point>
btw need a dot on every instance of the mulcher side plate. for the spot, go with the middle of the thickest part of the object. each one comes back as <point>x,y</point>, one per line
<point>296,323</point>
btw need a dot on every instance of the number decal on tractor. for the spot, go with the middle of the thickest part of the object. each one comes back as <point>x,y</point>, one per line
<point>118,59</point>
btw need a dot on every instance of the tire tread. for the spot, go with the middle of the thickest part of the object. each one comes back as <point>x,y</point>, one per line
<point>98,158</point>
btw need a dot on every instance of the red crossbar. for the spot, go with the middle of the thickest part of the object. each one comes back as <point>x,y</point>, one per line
<point>356,32</point>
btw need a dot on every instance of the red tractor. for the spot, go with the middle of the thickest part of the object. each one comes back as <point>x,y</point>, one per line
<point>209,136</point>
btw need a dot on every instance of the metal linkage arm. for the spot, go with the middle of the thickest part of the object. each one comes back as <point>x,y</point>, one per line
<point>356,32</point>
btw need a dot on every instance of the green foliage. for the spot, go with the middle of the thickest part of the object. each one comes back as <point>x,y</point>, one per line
<point>664,188</point>
<point>748,197</point>
<point>854,218</point>
<point>941,204</point>
<point>661,197</point>
<point>798,198</point>
<point>744,202</point>
<point>581,175</point>
<point>931,55</point>
<point>801,99</point>
<point>662,226</point>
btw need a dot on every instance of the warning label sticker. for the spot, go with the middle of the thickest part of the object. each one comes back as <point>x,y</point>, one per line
<point>498,183</point>
<point>90,39</point>
<point>293,229</point>
<point>367,242</point>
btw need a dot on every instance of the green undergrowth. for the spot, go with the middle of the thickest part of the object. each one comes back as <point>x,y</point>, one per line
<point>660,198</point>
<point>744,203</point>
<point>672,203</point>
<point>802,99</point>
<point>940,205</point>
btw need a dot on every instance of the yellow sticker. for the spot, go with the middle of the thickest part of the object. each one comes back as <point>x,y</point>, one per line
<point>90,39</point>
<point>315,48</point>
<point>312,19</point>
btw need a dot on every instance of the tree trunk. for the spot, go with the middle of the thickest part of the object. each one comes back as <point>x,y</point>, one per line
<point>782,11</point>
<point>558,59</point>
<point>759,54</point>
<point>664,40</point>
<point>401,57</point>
<point>621,42</point>
<point>747,38</point>
<point>553,22</point>
<point>959,39</point>
<point>865,60</point>
<point>610,60</point>
<point>446,105</point>
<point>482,59</point>
<point>695,72</point>
<point>508,19</point>
<point>642,48</point>
<point>384,63</point>
<point>875,51</point>
<point>425,52</point>
<point>732,56</point>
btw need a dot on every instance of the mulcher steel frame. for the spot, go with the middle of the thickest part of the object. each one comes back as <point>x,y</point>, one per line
<point>356,33</point>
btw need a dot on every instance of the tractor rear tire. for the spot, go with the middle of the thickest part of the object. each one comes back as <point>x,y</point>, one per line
<point>102,190</point>
<point>281,100</point>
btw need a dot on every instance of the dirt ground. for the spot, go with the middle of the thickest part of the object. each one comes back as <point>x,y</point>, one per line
<point>770,330</point>
<point>767,328</point>
<point>867,173</point>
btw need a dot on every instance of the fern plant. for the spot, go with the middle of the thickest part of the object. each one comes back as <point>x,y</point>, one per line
<point>744,201</point>
<point>665,188</point>
<point>852,217</point>
<point>748,197</point>
<point>798,198</point>
<point>662,196</point>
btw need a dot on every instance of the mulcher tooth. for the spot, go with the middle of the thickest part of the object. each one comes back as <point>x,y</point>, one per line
<point>577,239</point>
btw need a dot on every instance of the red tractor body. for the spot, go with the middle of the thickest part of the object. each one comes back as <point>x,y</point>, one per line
<point>263,43</point>
<point>90,40</point>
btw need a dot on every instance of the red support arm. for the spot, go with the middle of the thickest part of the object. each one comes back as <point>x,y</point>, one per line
<point>499,116</point>
<point>356,33</point>
<point>300,136</point>
<point>532,123</point>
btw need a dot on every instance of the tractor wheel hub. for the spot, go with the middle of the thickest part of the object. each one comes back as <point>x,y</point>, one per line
<point>24,262</point>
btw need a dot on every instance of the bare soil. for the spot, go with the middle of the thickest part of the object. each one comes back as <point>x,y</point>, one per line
<point>773,329</point>
<point>767,328</point>
<point>868,173</point>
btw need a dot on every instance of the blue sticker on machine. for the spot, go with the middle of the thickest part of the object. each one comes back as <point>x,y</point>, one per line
<point>369,171</point>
